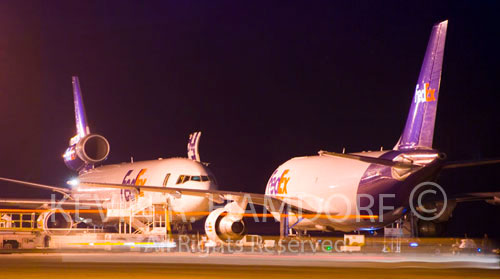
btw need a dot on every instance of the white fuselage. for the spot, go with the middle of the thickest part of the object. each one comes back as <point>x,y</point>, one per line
<point>323,184</point>
<point>173,172</point>
<point>330,186</point>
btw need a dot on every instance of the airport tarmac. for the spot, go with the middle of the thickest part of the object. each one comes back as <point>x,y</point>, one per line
<point>196,265</point>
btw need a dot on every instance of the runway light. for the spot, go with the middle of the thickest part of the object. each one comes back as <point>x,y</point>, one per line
<point>413,244</point>
<point>479,250</point>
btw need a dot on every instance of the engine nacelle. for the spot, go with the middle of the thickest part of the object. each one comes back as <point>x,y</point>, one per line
<point>89,150</point>
<point>223,227</point>
<point>438,216</point>
<point>55,222</point>
<point>430,228</point>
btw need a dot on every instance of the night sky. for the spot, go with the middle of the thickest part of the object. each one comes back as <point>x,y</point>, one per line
<point>264,80</point>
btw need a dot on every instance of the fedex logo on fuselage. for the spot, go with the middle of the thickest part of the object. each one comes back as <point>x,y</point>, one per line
<point>130,180</point>
<point>425,94</point>
<point>138,180</point>
<point>278,182</point>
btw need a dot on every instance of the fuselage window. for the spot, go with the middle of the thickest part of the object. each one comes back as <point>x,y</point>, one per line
<point>166,179</point>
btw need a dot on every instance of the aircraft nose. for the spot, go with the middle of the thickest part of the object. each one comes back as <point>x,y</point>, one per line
<point>212,185</point>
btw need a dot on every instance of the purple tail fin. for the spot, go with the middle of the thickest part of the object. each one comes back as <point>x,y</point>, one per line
<point>82,128</point>
<point>192,146</point>
<point>419,128</point>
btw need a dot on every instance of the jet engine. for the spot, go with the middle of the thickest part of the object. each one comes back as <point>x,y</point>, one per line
<point>436,214</point>
<point>55,222</point>
<point>430,228</point>
<point>89,150</point>
<point>223,227</point>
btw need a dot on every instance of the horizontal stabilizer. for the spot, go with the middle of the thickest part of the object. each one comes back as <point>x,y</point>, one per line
<point>465,164</point>
<point>366,159</point>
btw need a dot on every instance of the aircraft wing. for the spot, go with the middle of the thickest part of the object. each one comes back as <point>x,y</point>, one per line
<point>48,204</point>
<point>264,200</point>
<point>489,197</point>
<point>215,195</point>
<point>60,190</point>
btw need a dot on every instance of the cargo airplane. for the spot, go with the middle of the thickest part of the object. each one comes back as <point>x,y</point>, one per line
<point>328,191</point>
<point>86,150</point>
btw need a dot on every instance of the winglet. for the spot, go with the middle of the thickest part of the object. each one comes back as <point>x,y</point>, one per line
<point>82,127</point>
<point>192,146</point>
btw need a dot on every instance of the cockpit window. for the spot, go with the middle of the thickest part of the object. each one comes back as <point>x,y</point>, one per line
<point>180,179</point>
<point>197,178</point>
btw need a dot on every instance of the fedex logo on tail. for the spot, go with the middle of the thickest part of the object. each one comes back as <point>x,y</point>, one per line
<point>277,184</point>
<point>192,147</point>
<point>425,94</point>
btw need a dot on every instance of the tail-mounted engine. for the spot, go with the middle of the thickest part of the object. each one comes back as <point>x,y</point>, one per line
<point>85,149</point>
<point>55,222</point>
<point>89,150</point>
<point>223,227</point>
